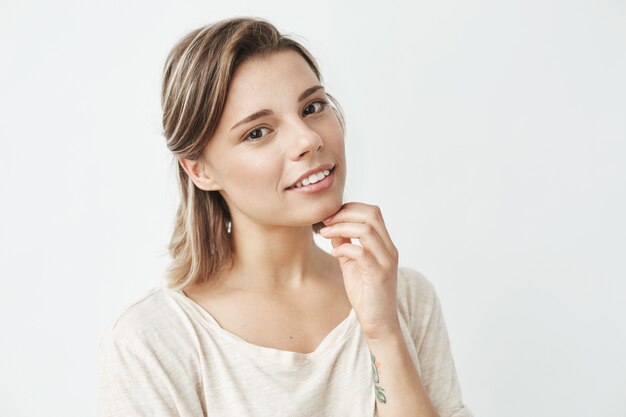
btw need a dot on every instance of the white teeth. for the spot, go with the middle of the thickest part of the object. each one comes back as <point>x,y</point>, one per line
<point>313,178</point>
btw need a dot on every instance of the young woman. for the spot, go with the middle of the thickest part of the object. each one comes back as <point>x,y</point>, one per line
<point>255,319</point>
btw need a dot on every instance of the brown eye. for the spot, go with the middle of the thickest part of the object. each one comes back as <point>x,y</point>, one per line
<point>311,108</point>
<point>254,134</point>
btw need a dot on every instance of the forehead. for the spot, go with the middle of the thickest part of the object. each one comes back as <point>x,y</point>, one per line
<point>263,80</point>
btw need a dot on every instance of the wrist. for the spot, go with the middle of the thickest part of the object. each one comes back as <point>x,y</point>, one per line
<point>387,332</point>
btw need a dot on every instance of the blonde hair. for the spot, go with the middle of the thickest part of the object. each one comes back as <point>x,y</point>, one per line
<point>196,78</point>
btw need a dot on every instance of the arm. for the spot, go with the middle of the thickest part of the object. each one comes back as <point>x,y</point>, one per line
<point>370,275</point>
<point>399,389</point>
<point>436,392</point>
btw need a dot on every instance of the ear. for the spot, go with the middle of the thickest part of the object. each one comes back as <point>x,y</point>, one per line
<point>199,173</point>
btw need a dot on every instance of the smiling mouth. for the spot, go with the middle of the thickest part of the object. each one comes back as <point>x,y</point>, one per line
<point>302,185</point>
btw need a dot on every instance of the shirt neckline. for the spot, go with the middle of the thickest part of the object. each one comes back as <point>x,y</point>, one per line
<point>338,334</point>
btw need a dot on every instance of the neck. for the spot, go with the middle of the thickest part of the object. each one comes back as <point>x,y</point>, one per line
<point>274,257</point>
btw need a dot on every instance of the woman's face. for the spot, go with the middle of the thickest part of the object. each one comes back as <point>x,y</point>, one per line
<point>253,162</point>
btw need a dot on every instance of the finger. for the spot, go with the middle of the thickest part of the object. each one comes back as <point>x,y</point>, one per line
<point>357,212</point>
<point>337,241</point>
<point>366,234</point>
<point>357,254</point>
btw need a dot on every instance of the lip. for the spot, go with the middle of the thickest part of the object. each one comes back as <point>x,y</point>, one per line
<point>312,171</point>
<point>317,187</point>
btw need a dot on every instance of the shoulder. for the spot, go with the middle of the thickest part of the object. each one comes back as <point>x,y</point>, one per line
<point>142,321</point>
<point>414,289</point>
<point>417,299</point>
<point>144,355</point>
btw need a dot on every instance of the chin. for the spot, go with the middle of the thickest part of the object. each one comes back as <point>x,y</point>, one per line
<point>319,225</point>
<point>335,207</point>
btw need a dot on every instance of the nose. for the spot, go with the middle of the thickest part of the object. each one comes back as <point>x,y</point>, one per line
<point>304,140</point>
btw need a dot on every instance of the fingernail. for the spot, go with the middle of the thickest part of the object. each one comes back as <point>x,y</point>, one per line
<point>324,230</point>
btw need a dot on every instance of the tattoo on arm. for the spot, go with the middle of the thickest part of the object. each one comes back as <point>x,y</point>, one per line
<point>380,393</point>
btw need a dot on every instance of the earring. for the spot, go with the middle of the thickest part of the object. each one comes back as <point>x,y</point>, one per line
<point>229,226</point>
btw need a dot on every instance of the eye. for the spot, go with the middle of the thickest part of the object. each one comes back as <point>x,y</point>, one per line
<point>254,134</point>
<point>320,106</point>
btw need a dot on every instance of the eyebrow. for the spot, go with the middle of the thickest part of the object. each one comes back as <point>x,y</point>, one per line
<point>267,112</point>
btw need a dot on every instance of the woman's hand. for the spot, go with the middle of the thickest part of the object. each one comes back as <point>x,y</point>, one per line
<point>369,271</point>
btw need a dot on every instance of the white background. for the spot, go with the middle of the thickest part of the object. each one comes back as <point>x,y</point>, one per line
<point>491,133</point>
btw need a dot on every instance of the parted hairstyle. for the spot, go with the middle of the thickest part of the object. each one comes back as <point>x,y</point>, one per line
<point>196,78</point>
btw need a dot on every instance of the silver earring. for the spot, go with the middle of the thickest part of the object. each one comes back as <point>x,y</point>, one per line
<point>229,226</point>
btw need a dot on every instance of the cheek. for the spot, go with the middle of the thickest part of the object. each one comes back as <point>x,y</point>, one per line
<point>251,175</point>
<point>335,139</point>
<point>332,129</point>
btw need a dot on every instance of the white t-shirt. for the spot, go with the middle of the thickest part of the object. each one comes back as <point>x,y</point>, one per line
<point>165,355</point>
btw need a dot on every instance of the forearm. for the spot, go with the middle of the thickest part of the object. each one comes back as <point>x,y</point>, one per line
<point>399,390</point>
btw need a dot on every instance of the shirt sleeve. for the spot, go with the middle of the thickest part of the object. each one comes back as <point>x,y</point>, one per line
<point>138,380</point>
<point>437,366</point>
